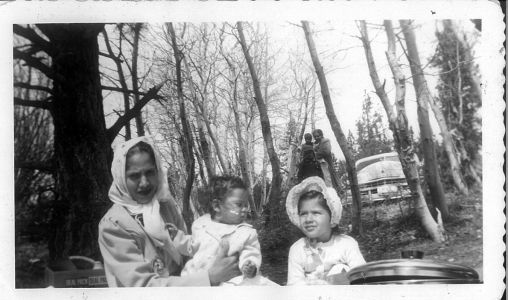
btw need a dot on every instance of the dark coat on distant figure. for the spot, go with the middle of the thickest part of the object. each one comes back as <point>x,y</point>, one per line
<point>323,151</point>
<point>309,165</point>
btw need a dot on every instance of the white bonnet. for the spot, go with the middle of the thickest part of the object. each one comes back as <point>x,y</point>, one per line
<point>314,183</point>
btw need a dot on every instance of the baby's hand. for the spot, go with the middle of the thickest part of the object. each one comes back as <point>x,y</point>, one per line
<point>172,229</point>
<point>249,269</point>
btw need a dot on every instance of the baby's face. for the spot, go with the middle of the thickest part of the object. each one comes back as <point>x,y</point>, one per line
<point>233,209</point>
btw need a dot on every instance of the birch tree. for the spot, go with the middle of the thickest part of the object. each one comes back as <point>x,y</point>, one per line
<point>337,130</point>
<point>399,125</point>
<point>432,176</point>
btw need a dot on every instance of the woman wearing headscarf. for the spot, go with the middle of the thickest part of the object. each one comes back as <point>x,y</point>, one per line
<point>135,245</point>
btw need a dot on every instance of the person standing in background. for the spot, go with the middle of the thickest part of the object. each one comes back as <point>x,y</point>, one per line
<point>323,150</point>
<point>309,165</point>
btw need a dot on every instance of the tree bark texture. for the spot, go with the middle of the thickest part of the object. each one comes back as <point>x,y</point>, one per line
<point>204,114</point>
<point>399,126</point>
<point>198,152</point>
<point>241,153</point>
<point>294,155</point>
<point>122,81</point>
<point>337,130</point>
<point>186,138</point>
<point>275,193</point>
<point>82,145</point>
<point>134,70</point>
<point>432,176</point>
<point>451,152</point>
<point>203,141</point>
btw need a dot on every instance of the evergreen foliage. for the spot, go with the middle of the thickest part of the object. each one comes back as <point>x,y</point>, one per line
<point>459,96</point>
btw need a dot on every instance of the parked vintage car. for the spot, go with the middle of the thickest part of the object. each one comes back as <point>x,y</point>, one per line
<point>380,177</point>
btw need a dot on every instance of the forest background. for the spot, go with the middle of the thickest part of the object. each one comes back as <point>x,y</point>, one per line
<point>183,74</point>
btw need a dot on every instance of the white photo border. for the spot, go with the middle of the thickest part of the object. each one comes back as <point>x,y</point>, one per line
<point>27,12</point>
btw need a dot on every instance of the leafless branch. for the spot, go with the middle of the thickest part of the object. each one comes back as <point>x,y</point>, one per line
<point>122,90</point>
<point>151,94</point>
<point>108,55</point>
<point>36,63</point>
<point>33,37</point>
<point>32,87</point>
<point>44,104</point>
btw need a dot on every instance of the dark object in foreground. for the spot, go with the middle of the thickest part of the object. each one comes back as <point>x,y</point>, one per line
<point>411,254</point>
<point>75,272</point>
<point>411,271</point>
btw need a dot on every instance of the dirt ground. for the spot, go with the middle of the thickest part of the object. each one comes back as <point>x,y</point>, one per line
<point>388,229</point>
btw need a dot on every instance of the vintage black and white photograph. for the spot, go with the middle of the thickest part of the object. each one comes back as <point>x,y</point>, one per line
<point>249,152</point>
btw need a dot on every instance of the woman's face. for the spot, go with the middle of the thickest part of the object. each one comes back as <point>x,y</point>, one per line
<point>315,220</point>
<point>317,136</point>
<point>141,177</point>
<point>233,209</point>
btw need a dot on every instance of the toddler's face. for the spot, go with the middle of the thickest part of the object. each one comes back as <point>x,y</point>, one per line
<point>233,209</point>
<point>315,220</point>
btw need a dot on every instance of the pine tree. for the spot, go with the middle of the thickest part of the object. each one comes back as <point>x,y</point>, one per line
<point>459,96</point>
<point>370,130</point>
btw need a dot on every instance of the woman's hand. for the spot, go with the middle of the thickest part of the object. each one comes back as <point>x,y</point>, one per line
<point>223,267</point>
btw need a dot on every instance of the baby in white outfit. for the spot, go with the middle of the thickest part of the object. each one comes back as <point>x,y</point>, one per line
<point>225,227</point>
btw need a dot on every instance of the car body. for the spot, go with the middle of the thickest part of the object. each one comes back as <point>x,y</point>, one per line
<point>380,177</point>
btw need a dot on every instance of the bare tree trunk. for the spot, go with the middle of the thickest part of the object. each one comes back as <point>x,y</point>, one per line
<point>82,146</point>
<point>294,158</point>
<point>203,142</point>
<point>242,148</point>
<point>290,155</point>
<point>399,126</point>
<point>313,110</point>
<point>121,79</point>
<point>241,151</point>
<point>468,57</point>
<point>187,134</point>
<point>337,130</point>
<point>432,176</point>
<point>218,151</point>
<point>252,155</point>
<point>263,178</point>
<point>198,152</point>
<point>205,148</point>
<point>305,117</point>
<point>451,152</point>
<point>135,87</point>
<point>275,194</point>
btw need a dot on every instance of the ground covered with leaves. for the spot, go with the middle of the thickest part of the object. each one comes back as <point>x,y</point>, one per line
<point>388,228</point>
